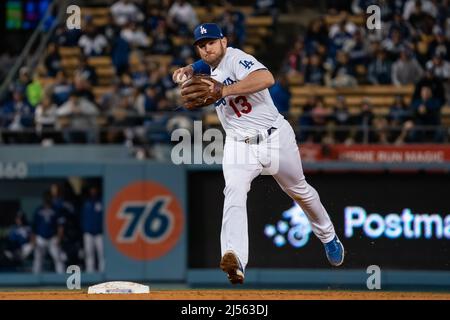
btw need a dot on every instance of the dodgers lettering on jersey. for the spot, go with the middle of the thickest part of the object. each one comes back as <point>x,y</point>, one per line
<point>243,115</point>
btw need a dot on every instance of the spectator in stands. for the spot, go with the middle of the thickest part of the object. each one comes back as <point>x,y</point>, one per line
<point>443,12</point>
<point>281,94</point>
<point>418,6</point>
<point>126,88</point>
<point>52,60</point>
<point>313,121</point>
<point>394,45</point>
<point>344,25</point>
<point>110,99</point>
<point>140,76</point>
<point>92,227</point>
<point>17,114</point>
<point>440,45</point>
<point>296,59</point>
<point>336,6</point>
<point>400,25</point>
<point>406,70</point>
<point>342,119</point>
<point>45,118</point>
<point>364,121</point>
<point>314,72</point>
<point>34,91</point>
<point>184,51</point>
<point>61,89</point>
<point>150,103</point>
<point>110,30</point>
<point>123,121</point>
<point>426,112</point>
<point>77,117</point>
<point>430,80</point>
<point>399,114</point>
<point>86,72</point>
<point>48,232</point>
<point>380,69</point>
<point>316,36</point>
<point>419,19</point>
<point>92,42</point>
<point>170,89</point>
<point>23,81</point>
<point>357,48</point>
<point>153,17</point>
<point>266,7</point>
<point>182,16</point>
<point>120,53</point>
<point>439,67</point>
<point>135,37</point>
<point>338,38</point>
<point>342,73</point>
<point>232,23</point>
<point>6,60</point>
<point>64,37</point>
<point>124,10</point>
<point>380,131</point>
<point>162,43</point>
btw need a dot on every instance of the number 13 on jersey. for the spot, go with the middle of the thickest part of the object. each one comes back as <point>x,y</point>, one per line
<point>240,105</point>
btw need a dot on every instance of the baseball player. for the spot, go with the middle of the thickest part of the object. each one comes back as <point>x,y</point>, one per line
<point>253,127</point>
<point>91,223</point>
<point>47,235</point>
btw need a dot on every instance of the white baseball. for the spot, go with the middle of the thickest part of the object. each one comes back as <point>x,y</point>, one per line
<point>182,77</point>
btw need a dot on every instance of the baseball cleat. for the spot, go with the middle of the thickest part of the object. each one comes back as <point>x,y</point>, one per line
<point>232,267</point>
<point>335,251</point>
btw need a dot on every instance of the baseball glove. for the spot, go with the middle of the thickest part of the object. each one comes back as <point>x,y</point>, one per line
<point>199,91</point>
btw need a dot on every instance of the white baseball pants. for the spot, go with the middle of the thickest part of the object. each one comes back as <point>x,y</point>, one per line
<point>93,244</point>
<point>279,156</point>
<point>40,251</point>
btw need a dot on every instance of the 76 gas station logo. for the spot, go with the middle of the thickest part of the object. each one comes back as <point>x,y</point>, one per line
<point>151,220</point>
<point>145,220</point>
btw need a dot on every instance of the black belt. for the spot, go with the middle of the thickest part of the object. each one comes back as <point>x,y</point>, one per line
<point>258,137</point>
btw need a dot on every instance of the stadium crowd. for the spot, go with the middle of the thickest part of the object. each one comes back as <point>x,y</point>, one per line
<point>411,47</point>
<point>142,108</point>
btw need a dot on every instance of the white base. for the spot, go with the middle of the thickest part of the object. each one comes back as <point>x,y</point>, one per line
<point>114,287</point>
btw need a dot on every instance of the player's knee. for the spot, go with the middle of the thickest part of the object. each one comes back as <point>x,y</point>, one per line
<point>301,191</point>
<point>235,193</point>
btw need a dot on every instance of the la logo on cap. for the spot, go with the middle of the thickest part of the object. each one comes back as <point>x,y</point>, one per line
<point>203,30</point>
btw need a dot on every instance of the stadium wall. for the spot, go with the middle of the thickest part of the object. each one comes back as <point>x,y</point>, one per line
<point>395,216</point>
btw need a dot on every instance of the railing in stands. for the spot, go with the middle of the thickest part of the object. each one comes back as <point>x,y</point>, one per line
<point>38,39</point>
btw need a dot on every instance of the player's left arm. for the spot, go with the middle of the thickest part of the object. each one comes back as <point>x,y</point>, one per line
<point>255,81</point>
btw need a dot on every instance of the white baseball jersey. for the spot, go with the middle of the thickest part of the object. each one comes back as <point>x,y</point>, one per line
<point>243,115</point>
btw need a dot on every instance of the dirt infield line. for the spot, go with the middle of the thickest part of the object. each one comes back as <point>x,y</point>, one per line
<point>226,295</point>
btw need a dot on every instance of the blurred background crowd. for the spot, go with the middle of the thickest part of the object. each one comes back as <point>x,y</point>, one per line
<point>337,80</point>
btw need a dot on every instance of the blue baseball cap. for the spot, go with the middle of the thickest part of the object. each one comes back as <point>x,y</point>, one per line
<point>207,31</point>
